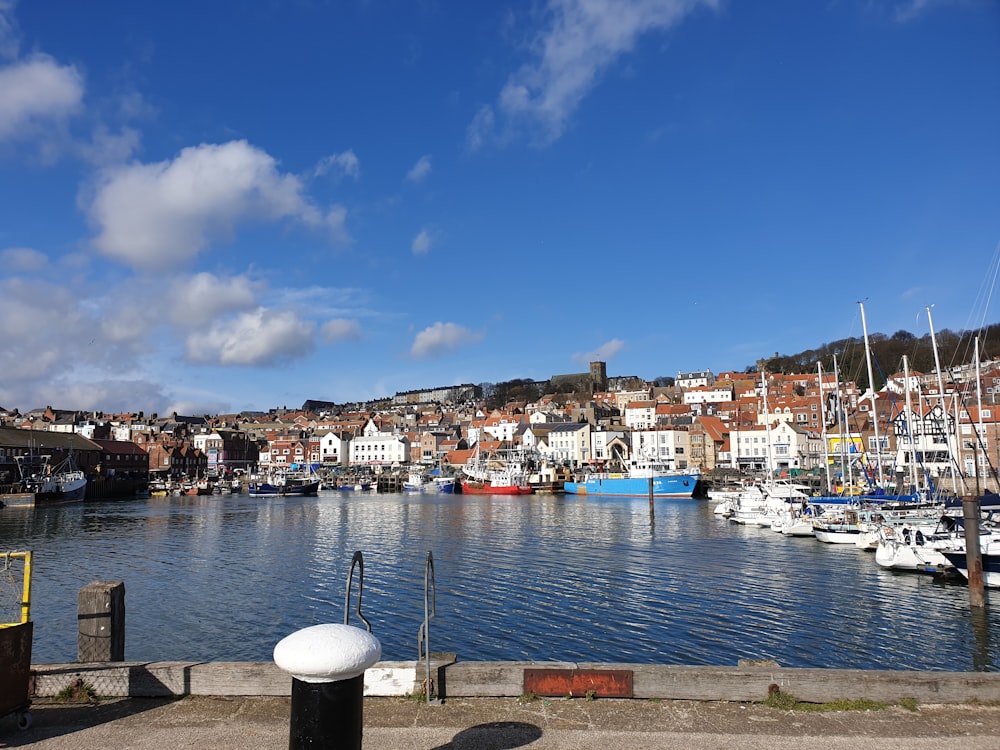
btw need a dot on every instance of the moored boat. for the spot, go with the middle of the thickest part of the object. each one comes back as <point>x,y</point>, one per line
<point>51,485</point>
<point>284,484</point>
<point>641,477</point>
<point>444,485</point>
<point>496,474</point>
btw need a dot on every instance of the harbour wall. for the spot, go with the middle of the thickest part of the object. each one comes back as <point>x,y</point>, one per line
<point>749,681</point>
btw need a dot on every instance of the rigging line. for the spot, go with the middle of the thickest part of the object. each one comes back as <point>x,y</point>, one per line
<point>979,438</point>
<point>986,287</point>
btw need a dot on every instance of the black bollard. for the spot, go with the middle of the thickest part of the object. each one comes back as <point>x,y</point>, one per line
<point>327,664</point>
<point>326,714</point>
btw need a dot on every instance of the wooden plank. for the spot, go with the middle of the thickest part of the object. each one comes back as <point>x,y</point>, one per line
<point>492,678</point>
<point>506,679</point>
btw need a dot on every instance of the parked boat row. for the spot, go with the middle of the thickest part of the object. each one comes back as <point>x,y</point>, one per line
<point>922,537</point>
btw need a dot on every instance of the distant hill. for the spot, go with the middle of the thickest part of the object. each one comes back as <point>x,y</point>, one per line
<point>887,354</point>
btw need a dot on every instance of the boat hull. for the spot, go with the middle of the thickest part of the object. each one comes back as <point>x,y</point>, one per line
<point>265,489</point>
<point>991,567</point>
<point>485,488</point>
<point>680,485</point>
<point>71,490</point>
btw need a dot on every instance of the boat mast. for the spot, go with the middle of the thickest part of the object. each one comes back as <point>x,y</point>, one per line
<point>845,462</point>
<point>871,388</point>
<point>979,419</point>
<point>909,423</point>
<point>767,425</point>
<point>941,403</point>
<point>822,416</point>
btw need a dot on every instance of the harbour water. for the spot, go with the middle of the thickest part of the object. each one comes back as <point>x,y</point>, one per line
<point>539,577</point>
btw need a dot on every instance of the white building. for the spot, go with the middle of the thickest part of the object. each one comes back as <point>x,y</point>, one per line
<point>708,395</point>
<point>333,449</point>
<point>570,442</point>
<point>791,447</point>
<point>701,379</point>
<point>379,449</point>
<point>668,445</point>
<point>640,415</point>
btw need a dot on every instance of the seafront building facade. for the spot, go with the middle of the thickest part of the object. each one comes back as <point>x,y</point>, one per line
<point>800,425</point>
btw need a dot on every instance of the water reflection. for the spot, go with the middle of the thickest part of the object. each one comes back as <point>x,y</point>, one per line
<point>543,577</point>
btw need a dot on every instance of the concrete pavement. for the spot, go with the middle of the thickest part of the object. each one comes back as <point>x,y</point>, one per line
<point>233,723</point>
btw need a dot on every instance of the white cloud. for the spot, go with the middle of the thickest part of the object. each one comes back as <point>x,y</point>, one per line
<point>584,38</point>
<point>10,43</point>
<point>602,353</point>
<point>480,129</point>
<point>420,170</point>
<point>421,243</point>
<point>22,260</point>
<point>440,338</point>
<point>195,300</point>
<point>106,148</point>
<point>341,329</point>
<point>41,329</point>
<point>262,337</point>
<point>913,9</point>
<point>159,216</point>
<point>113,395</point>
<point>345,163</point>
<point>37,91</point>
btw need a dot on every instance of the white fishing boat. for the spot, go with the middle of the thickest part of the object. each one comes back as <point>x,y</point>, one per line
<point>51,485</point>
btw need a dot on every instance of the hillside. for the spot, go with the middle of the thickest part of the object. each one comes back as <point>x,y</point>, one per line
<point>887,354</point>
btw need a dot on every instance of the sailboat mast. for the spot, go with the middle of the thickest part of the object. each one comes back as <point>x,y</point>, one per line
<point>845,462</point>
<point>822,416</point>
<point>871,388</point>
<point>910,421</point>
<point>767,424</point>
<point>977,460</point>
<point>941,403</point>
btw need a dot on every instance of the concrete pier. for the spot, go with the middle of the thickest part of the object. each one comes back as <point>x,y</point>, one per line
<point>458,679</point>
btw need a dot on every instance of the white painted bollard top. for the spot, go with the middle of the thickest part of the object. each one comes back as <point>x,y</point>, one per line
<point>327,653</point>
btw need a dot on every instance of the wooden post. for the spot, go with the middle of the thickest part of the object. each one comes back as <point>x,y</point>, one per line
<point>651,498</point>
<point>101,622</point>
<point>973,555</point>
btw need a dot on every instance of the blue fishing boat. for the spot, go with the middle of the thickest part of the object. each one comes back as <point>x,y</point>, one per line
<point>636,481</point>
<point>284,484</point>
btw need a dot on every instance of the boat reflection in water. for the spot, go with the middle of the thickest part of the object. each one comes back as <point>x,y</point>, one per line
<point>532,577</point>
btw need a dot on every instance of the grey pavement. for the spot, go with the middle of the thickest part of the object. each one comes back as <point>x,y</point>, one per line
<point>505,723</point>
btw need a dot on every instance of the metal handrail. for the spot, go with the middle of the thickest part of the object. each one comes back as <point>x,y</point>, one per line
<point>357,559</point>
<point>25,603</point>
<point>423,636</point>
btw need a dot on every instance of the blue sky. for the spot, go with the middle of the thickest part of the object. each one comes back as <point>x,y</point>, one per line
<point>211,207</point>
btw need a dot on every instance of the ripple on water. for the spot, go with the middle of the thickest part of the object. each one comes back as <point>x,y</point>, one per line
<point>539,577</point>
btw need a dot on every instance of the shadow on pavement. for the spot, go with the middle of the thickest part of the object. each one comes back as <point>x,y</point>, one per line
<point>498,735</point>
<point>53,719</point>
